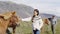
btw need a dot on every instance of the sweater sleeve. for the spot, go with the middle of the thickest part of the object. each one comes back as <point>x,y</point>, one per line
<point>40,23</point>
<point>27,19</point>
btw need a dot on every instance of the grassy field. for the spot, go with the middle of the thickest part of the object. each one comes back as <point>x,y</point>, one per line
<point>25,28</point>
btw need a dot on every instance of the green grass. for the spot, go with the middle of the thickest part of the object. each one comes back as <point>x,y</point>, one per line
<point>26,28</point>
<point>58,27</point>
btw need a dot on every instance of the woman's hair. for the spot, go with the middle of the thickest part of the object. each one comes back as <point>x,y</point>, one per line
<point>37,13</point>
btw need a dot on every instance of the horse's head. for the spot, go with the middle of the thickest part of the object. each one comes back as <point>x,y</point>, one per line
<point>14,18</point>
<point>46,21</point>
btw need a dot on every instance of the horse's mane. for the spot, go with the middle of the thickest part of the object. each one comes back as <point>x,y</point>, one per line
<point>46,21</point>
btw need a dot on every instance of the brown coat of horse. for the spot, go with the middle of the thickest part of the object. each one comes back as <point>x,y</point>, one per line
<point>6,20</point>
<point>4,23</point>
<point>46,21</point>
<point>13,21</point>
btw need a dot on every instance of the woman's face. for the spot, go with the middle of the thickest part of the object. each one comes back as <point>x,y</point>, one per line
<point>35,13</point>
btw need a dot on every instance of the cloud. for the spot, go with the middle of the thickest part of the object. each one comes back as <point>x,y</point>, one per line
<point>4,0</point>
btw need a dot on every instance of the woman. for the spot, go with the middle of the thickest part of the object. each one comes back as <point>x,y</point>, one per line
<point>37,22</point>
<point>53,21</point>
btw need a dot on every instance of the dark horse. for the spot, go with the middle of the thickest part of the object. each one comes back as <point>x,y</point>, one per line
<point>13,22</point>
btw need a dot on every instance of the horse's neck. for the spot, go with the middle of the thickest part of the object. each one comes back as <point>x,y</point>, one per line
<point>4,23</point>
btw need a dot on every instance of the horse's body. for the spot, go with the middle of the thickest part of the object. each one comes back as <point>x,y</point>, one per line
<point>3,24</point>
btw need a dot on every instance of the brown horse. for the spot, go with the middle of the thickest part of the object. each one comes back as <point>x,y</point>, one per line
<point>46,22</point>
<point>13,21</point>
<point>4,23</point>
<point>8,19</point>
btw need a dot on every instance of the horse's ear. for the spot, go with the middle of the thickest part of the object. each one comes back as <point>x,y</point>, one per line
<point>13,12</point>
<point>1,16</point>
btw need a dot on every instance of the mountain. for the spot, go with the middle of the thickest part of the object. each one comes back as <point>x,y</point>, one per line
<point>22,10</point>
<point>45,15</point>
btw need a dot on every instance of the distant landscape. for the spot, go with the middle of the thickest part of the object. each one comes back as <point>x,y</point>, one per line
<point>22,10</point>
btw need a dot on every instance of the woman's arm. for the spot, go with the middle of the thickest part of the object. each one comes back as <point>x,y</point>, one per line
<point>27,19</point>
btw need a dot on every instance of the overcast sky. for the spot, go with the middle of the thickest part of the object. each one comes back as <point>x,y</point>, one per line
<point>44,6</point>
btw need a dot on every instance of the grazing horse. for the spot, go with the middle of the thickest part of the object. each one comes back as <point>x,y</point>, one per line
<point>13,22</point>
<point>4,23</point>
<point>46,23</point>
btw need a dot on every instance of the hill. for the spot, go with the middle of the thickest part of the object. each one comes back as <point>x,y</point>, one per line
<point>22,10</point>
